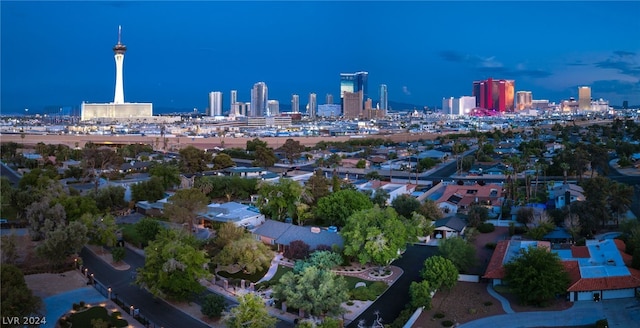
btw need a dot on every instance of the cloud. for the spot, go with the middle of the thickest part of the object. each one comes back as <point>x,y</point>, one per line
<point>617,87</point>
<point>623,53</point>
<point>624,62</point>
<point>491,65</point>
<point>406,91</point>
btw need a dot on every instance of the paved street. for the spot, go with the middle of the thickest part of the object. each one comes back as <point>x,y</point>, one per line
<point>392,302</point>
<point>157,310</point>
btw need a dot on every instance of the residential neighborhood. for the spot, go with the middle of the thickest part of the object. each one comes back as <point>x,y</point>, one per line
<point>383,235</point>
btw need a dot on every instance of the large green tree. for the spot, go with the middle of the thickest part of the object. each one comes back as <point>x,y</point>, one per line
<point>335,208</point>
<point>183,207</point>
<point>536,276</point>
<point>43,217</point>
<point>76,206</point>
<point>440,272</point>
<point>17,299</point>
<point>376,236</point>
<point>193,160</point>
<point>222,161</point>
<point>280,200</point>
<point>459,251</point>
<point>148,229</point>
<point>252,145</point>
<point>62,242</point>
<point>265,157</point>
<point>430,210</point>
<point>173,266</point>
<point>317,292</point>
<point>405,205</point>
<point>251,312</point>
<point>317,185</point>
<point>251,255</point>
<point>151,190</point>
<point>292,150</point>
<point>170,174</point>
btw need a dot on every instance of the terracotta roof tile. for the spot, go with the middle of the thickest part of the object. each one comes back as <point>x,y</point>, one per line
<point>589,284</point>
<point>580,252</point>
<point>495,269</point>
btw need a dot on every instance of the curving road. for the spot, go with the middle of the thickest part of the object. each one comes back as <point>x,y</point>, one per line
<point>156,310</point>
<point>393,301</point>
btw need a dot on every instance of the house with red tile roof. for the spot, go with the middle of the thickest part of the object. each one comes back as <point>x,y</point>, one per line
<point>597,271</point>
<point>458,198</point>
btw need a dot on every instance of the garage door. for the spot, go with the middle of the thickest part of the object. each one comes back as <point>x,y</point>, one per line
<point>585,296</point>
<point>618,293</point>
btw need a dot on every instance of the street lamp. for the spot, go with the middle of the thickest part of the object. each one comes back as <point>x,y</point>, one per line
<point>92,281</point>
<point>131,310</point>
<point>86,271</point>
<point>109,290</point>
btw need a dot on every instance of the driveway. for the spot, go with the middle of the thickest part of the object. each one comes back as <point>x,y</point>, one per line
<point>619,313</point>
<point>393,301</point>
<point>157,310</point>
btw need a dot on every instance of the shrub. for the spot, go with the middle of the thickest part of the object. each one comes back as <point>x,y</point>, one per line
<point>447,323</point>
<point>486,227</point>
<point>491,245</point>
<point>297,250</point>
<point>473,311</point>
<point>488,303</point>
<point>581,242</point>
<point>213,305</point>
<point>438,315</point>
<point>602,323</point>
<point>117,253</point>
<point>350,303</point>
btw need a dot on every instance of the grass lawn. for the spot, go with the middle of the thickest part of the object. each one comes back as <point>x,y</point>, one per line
<point>241,275</point>
<point>83,319</point>
<point>276,277</point>
<point>352,281</point>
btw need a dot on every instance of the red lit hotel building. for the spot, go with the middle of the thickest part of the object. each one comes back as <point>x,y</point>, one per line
<point>495,94</point>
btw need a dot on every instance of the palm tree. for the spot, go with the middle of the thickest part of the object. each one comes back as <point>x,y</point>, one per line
<point>620,197</point>
<point>565,167</point>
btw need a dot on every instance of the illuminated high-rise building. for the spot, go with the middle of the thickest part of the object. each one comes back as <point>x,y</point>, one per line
<point>354,82</point>
<point>119,49</point>
<point>215,103</point>
<point>259,97</point>
<point>384,101</point>
<point>295,103</point>
<point>495,94</point>
<point>313,106</point>
<point>584,98</point>
<point>329,99</point>
<point>352,105</point>
<point>524,100</point>
<point>273,107</point>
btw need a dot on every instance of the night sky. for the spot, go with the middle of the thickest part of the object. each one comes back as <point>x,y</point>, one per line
<point>60,53</point>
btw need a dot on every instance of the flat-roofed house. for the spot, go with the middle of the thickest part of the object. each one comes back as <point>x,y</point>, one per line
<point>598,270</point>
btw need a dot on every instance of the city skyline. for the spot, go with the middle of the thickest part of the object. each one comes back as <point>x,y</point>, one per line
<point>417,50</point>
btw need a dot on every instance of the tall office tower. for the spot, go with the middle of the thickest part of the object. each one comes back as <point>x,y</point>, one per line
<point>625,104</point>
<point>495,94</point>
<point>447,105</point>
<point>354,82</point>
<point>295,103</point>
<point>352,105</point>
<point>329,99</point>
<point>313,106</point>
<point>384,102</point>
<point>524,100</point>
<point>273,106</point>
<point>259,96</point>
<point>119,50</point>
<point>215,103</point>
<point>584,98</point>
<point>234,97</point>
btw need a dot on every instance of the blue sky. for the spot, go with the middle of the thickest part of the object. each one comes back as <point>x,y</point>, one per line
<point>59,53</point>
